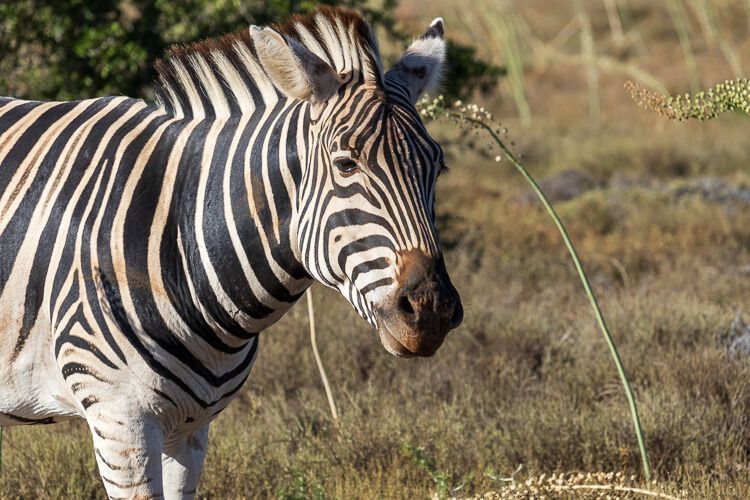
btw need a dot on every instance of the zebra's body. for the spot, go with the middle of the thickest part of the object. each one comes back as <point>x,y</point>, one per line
<point>124,163</point>
<point>144,247</point>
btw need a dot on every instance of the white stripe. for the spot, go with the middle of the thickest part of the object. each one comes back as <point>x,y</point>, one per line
<point>211,85</point>
<point>239,88</point>
<point>309,41</point>
<point>183,77</point>
<point>264,84</point>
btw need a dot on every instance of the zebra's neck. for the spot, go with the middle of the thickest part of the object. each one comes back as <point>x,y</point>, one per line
<point>233,257</point>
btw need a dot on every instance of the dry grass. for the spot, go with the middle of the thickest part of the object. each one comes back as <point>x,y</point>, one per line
<point>527,379</point>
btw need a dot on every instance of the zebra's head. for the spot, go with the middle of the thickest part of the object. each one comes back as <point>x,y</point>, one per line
<point>365,220</point>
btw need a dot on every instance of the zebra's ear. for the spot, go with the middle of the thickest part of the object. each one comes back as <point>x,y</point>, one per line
<point>294,69</point>
<point>420,68</point>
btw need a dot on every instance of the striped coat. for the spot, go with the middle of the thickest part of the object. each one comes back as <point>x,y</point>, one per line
<point>143,247</point>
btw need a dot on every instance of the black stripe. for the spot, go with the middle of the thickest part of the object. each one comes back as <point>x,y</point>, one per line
<point>375,284</point>
<point>28,421</point>
<point>217,238</point>
<point>118,314</point>
<point>363,244</point>
<point>72,368</point>
<point>11,118</point>
<point>372,265</point>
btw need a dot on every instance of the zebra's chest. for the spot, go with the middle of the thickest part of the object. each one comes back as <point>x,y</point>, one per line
<point>191,401</point>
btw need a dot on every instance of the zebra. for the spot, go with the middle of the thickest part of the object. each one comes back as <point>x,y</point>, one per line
<point>144,246</point>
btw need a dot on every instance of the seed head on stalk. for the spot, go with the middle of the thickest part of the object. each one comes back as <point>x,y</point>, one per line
<point>731,95</point>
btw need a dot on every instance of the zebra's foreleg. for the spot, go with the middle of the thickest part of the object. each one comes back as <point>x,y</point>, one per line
<point>182,464</point>
<point>128,455</point>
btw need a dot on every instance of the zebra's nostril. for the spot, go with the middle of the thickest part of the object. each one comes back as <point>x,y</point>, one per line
<point>404,305</point>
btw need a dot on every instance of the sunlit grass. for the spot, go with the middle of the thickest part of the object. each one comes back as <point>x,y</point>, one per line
<point>526,380</point>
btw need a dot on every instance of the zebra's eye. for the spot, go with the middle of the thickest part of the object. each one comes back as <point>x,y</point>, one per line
<point>346,166</point>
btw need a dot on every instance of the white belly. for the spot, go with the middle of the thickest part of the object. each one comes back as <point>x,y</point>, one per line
<point>31,386</point>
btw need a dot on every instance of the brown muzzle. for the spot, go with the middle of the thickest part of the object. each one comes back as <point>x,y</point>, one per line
<point>422,310</point>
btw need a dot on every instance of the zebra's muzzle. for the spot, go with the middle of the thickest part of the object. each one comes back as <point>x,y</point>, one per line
<point>423,309</point>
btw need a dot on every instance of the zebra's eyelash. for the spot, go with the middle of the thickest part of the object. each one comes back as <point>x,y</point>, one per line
<point>444,169</point>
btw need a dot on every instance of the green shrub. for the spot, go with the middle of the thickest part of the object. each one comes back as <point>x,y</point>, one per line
<point>78,49</point>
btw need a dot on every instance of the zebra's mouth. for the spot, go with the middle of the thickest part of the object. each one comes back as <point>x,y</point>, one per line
<point>409,343</point>
<point>392,344</point>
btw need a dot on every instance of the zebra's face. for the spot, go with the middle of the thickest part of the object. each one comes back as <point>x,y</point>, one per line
<point>376,240</point>
<point>365,204</point>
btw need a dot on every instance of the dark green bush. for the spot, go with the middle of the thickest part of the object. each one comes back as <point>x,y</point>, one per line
<point>78,49</point>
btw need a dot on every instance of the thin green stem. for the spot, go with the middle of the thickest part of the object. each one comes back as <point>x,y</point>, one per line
<point>1,450</point>
<point>586,285</point>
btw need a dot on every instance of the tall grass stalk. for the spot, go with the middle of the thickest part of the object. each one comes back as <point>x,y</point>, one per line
<point>729,52</point>
<point>1,450</point>
<point>481,119</point>
<point>705,19</point>
<point>549,52</point>
<point>713,34</point>
<point>507,33</point>
<point>588,52</point>
<point>318,361</point>
<point>731,56</point>
<point>680,22</point>
<point>615,24</point>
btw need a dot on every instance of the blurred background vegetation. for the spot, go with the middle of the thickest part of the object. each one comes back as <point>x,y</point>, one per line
<point>658,210</point>
<point>77,49</point>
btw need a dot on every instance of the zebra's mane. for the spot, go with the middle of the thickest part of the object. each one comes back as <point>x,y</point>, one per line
<point>223,76</point>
